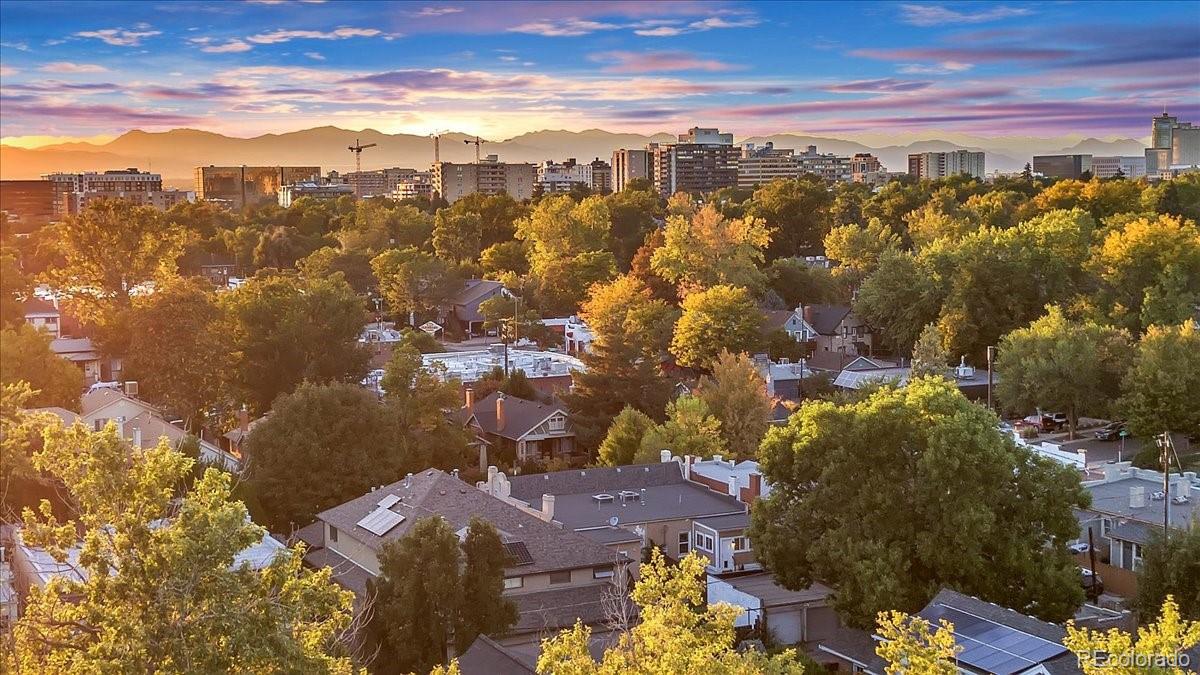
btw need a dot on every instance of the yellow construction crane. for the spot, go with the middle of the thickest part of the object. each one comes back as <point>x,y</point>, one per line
<point>477,142</point>
<point>357,149</point>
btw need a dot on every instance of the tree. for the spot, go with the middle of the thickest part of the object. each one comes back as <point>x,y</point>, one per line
<point>721,317</point>
<point>899,299</point>
<point>1159,387</point>
<point>799,283</point>
<point>624,437</point>
<point>417,398</point>
<point>1157,649</point>
<point>25,356</point>
<point>797,211</point>
<point>633,213</point>
<point>1170,567</point>
<point>910,644</point>
<point>1056,364</point>
<point>456,236</point>
<point>858,249</point>
<point>430,591</point>
<point>180,352</point>
<point>487,612</point>
<point>14,287</point>
<point>567,249</point>
<point>1147,258</point>
<point>290,451</point>
<point>20,436</point>
<point>506,314</point>
<point>354,266</point>
<point>690,427</point>
<point>1027,172</point>
<point>414,282</point>
<point>678,632</point>
<point>625,311</point>
<point>616,375</point>
<point>929,357</point>
<point>109,250</point>
<point>161,590</point>
<point>707,249</point>
<point>737,396</point>
<point>497,215</point>
<point>505,258</point>
<point>286,329</point>
<point>981,514</point>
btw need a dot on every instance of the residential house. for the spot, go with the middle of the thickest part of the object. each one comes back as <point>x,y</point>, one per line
<point>992,639</point>
<point>787,320</point>
<point>971,381</point>
<point>84,354</point>
<point>512,429</point>
<point>656,502</point>
<point>143,425</point>
<point>836,362</point>
<point>836,328</point>
<point>555,575</point>
<point>741,480</point>
<point>485,656</point>
<point>791,617</point>
<point>784,378</point>
<point>463,308</point>
<point>233,441</point>
<point>1127,509</point>
<point>573,333</point>
<point>43,315</point>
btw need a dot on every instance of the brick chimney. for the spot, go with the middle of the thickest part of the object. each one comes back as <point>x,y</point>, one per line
<point>548,507</point>
<point>809,314</point>
<point>244,421</point>
<point>469,399</point>
<point>755,490</point>
<point>500,412</point>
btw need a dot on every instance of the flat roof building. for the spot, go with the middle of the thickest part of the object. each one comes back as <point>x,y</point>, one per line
<point>759,165</point>
<point>290,193</point>
<point>704,160</point>
<point>242,186</point>
<point>453,181</point>
<point>1111,167</point>
<point>629,165</point>
<point>1062,166</point>
<point>943,164</point>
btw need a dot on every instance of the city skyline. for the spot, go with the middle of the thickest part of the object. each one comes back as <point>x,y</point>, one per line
<point>854,71</point>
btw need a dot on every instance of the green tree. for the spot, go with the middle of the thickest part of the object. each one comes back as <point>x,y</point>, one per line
<point>858,249</point>
<point>707,249</point>
<point>1057,364</point>
<point>796,211</point>
<point>108,251</point>
<point>25,356</point>
<point>354,266</point>
<point>929,356</point>
<point>625,311</point>
<point>286,329</point>
<point>567,249</point>
<point>677,632</point>
<point>624,437</point>
<point>911,644</point>
<point>737,396</point>
<point>797,283</point>
<point>179,326</point>
<point>721,317</point>
<point>505,258</point>
<point>1144,259</point>
<point>616,375</point>
<point>161,590</point>
<point>497,215</point>
<point>512,320</point>
<point>899,299</point>
<point>456,236</point>
<point>633,217</point>
<point>14,288</point>
<point>1159,389</point>
<point>1115,652</point>
<point>485,610</point>
<point>690,428</point>
<point>417,398</point>
<point>20,436</point>
<point>290,451</point>
<point>980,514</point>
<point>414,282</point>
<point>1170,567</point>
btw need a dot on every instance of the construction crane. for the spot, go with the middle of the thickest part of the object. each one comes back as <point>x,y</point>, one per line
<point>477,143</point>
<point>357,149</point>
<point>437,148</point>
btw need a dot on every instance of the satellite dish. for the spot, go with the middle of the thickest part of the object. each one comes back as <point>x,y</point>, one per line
<point>612,522</point>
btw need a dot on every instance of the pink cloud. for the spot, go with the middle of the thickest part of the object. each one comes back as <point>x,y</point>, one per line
<point>650,62</point>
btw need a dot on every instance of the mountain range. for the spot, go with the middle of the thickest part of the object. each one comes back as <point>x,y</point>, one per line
<point>177,152</point>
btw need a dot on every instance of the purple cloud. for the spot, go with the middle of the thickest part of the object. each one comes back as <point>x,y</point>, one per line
<point>887,84</point>
<point>651,62</point>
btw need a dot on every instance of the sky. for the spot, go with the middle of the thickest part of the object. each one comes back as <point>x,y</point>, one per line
<point>91,70</point>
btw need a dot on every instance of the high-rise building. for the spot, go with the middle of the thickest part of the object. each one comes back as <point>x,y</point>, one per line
<point>704,160</point>
<point>1185,147</point>
<point>417,186</point>
<point>629,165</point>
<point>28,200</point>
<point>942,164</point>
<point>74,191</point>
<point>554,177</point>
<point>163,200</point>
<point>1174,146</point>
<point>601,176</point>
<point>1160,130</point>
<point>242,186</point>
<point>1062,166</point>
<point>490,176</point>
<point>826,165</point>
<point>759,165</point>
<point>866,168</point>
<point>1110,167</point>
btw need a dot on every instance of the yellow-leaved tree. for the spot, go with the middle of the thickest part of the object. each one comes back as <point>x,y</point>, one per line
<point>911,645</point>
<point>677,633</point>
<point>1158,649</point>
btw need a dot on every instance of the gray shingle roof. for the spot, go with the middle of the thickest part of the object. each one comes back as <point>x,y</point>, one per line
<point>555,610</point>
<point>487,657</point>
<point>520,416</point>
<point>826,318</point>
<point>736,522</point>
<point>1138,533</point>
<point>856,645</point>
<point>434,493</point>
<point>763,586</point>
<point>603,479</point>
<point>776,319</point>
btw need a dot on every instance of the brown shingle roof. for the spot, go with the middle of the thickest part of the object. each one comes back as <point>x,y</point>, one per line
<point>520,416</point>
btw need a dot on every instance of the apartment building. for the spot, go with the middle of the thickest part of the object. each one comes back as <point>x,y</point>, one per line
<point>942,164</point>
<point>556,178</point>
<point>629,165</point>
<point>704,160</point>
<point>826,165</point>
<point>73,191</point>
<point>238,187</point>
<point>866,168</point>
<point>313,190</point>
<point>375,182</point>
<point>417,186</point>
<point>602,176</point>
<point>453,181</point>
<point>760,165</point>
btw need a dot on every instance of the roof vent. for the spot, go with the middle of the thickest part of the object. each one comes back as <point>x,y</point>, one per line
<point>603,498</point>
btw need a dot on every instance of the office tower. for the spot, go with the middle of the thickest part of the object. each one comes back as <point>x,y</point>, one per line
<point>1109,167</point>
<point>1062,166</point>
<point>602,175</point>
<point>1174,147</point>
<point>629,165</point>
<point>702,161</point>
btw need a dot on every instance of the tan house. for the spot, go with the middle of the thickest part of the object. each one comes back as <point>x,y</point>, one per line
<point>516,430</point>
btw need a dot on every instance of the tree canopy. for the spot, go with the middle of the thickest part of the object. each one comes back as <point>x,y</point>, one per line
<point>737,396</point>
<point>721,317</point>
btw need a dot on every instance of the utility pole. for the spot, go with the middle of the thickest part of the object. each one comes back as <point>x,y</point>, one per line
<point>1166,448</point>
<point>991,360</point>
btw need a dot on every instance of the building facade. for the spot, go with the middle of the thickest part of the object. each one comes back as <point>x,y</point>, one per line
<point>1111,167</point>
<point>601,176</point>
<point>290,193</point>
<point>240,186</point>
<point>1174,146</point>
<point>866,168</point>
<point>629,165</point>
<point>373,183</point>
<point>1062,166</point>
<point>704,160</point>
<point>759,165</point>
<point>28,200</point>
<point>417,186</point>
<point>942,164</point>
<point>826,165</point>
<point>453,181</point>
<point>555,178</point>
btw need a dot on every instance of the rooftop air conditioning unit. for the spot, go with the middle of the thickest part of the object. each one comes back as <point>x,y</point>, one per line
<point>131,389</point>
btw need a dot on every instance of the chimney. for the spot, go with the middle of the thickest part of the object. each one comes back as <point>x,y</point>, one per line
<point>469,403</point>
<point>808,313</point>
<point>408,481</point>
<point>137,436</point>
<point>755,489</point>
<point>664,455</point>
<point>1137,496</point>
<point>244,421</point>
<point>733,488</point>
<point>717,459</point>
<point>483,465</point>
<point>548,507</point>
<point>500,412</point>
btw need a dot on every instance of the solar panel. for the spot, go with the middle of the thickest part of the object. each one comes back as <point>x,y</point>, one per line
<point>380,521</point>
<point>518,553</point>
<point>388,501</point>
<point>993,647</point>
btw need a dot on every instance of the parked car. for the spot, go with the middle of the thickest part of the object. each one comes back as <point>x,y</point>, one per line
<point>1111,431</point>
<point>1059,420</point>
<point>1047,422</point>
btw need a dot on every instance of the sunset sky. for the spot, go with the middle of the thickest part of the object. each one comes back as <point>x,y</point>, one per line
<point>498,69</point>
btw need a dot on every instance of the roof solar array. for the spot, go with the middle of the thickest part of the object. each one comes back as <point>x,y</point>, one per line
<point>993,647</point>
<point>389,501</point>
<point>380,521</point>
<point>518,552</point>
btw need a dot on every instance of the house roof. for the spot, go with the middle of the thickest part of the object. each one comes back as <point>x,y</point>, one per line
<point>485,656</point>
<point>856,646</point>
<point>776,319</point>
<point>736,522</point>
<point>75,349</point>
<point>520,416</point>
<point>763,586</point>
<point>1112,497</point>
<point>68,418</point>
<point>557,609</point>
<point>610,535</point>
<point>474,289</point>
<point>531,487</point>
<point>1133,531</point>
<point>838,361</point>
<point>35,306</point>
<point>96,399</point>
<point>434,493</point>
<point>996,639</point>
<point>827,318</point>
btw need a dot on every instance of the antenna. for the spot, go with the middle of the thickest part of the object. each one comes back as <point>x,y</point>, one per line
<point>357,149</point>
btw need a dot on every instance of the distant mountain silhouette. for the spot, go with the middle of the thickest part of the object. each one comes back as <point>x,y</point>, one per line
<point>176,153</point>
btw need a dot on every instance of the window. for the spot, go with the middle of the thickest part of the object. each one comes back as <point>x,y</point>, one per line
<point>741,544</point>
<point>563,577</point>
<point>333,534</point>
<point>684,543</point>
<point>704,542</point>
<point>513,582</point>
<point>557,423</point>
<point>99,424</point>
<point>602,572</point>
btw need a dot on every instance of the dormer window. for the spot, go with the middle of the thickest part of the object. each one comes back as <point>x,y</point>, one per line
<point>557,423</point>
